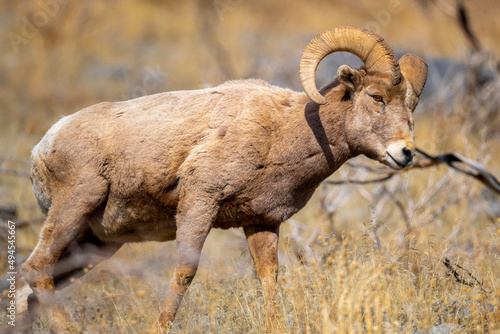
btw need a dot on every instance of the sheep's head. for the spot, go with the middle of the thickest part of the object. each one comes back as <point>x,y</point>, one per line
<point>383,93</point>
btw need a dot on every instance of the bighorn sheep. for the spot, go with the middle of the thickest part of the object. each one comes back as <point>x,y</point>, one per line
<point>243,154</point>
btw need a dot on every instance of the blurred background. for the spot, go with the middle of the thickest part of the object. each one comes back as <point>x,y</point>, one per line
<point>59,56</point>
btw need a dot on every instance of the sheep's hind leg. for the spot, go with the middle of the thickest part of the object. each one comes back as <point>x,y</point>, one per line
<point>66,219</point>
<point>84,253</point>
<point>263,244</point>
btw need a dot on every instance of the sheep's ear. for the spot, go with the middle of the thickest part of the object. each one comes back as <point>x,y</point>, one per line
<point>350,78</point>
<point>414,69</point>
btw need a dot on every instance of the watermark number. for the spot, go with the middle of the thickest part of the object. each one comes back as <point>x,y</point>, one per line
<point>11,272</point>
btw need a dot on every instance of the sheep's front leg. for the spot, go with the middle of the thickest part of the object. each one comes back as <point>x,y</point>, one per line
<point>263,244</point>
<point>194,220</point>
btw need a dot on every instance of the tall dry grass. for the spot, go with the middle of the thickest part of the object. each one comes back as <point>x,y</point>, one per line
<point>349,287</point>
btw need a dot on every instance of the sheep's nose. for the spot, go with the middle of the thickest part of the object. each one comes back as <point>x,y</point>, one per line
<point>408,155</point>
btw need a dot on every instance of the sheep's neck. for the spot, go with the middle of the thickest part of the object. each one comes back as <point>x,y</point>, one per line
<point>327,126</point>
<point>323,145</point>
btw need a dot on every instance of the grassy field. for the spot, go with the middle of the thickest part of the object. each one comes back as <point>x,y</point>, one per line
<point>358,258</point>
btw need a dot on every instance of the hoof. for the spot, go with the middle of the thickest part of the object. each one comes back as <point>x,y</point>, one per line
<point>161,328</point>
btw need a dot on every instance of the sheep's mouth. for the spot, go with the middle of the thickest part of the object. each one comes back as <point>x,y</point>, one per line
<point>395,162</point>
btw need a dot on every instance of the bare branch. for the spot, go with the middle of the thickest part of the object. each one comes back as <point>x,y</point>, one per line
<point>458,277</point>
<point>374,227</point>
<point>380,179</point>
<point>13,172</point>
<point>481,174</point>
<point>459,13</point>
<point>451,159</point>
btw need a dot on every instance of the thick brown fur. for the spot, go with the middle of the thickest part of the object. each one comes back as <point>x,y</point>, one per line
<point>174,165</point>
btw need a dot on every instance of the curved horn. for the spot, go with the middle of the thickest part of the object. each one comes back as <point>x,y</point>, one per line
<point>376,54</point>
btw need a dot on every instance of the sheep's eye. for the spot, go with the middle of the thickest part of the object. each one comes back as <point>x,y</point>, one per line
<point>377,98</point>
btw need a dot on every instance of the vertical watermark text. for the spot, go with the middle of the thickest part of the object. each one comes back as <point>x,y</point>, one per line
<point>11,272</point>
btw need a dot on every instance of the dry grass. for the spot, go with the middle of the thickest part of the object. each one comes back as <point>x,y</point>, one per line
<point>348,288</point>
<point>103,50</point>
